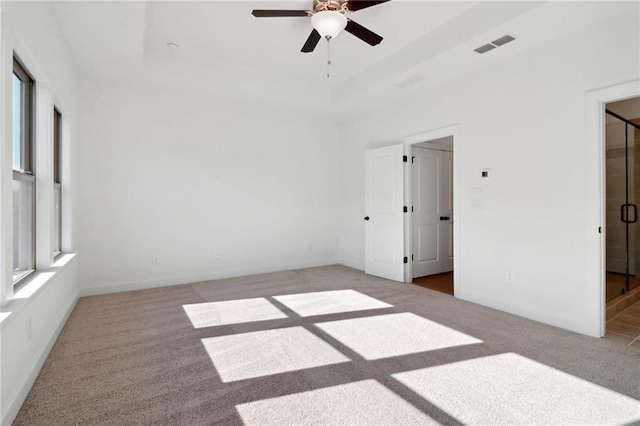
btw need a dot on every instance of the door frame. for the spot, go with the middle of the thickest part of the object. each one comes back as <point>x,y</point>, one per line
<point>595,199</point>
<point>442,155</point>
<point>441,132</point>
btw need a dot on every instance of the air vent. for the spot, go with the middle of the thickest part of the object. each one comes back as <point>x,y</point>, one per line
<point>485,48</point>
<point>495,43</point>
<point>503,40</point>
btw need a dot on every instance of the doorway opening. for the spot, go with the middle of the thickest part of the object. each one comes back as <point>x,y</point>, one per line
<point>431,214</point>
<point>622,234</point>
<point>388,204</point>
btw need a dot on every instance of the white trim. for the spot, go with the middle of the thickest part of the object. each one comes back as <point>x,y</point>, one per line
<point>118,287</point>
<point>548,318</point>
<point>441,132</point>
<point>43,169</point>
<point>433,146</point>
<point>595,282</point>
<point>36,283</point>
<point>13,407</point>
<point>352,264</point>
<point>6,168</point>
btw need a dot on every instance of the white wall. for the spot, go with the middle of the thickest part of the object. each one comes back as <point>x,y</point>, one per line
<point>44,304</point>
<point>525,120</point>
<point>182,175</point>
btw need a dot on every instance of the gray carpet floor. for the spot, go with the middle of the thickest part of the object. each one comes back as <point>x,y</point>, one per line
<point>326,345</point>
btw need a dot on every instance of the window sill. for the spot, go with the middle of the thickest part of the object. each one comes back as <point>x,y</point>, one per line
<point>24,278</point>
<point>32,286</point>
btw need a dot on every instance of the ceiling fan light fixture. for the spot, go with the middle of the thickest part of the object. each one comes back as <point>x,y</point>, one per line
<point>329,23</point>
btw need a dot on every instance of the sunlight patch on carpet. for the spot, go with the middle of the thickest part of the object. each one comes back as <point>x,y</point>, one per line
<point>330,302</point>
<point>262,353</point>
<point>390,335</point>
<point>212,314</point>
<point>512,389</point>
<point>359,403</point>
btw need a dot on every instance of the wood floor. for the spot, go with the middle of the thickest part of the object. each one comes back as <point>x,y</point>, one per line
<point>616,284</point>
<point>438,282</point>
<point>623,311</point>
<point>623,327</point>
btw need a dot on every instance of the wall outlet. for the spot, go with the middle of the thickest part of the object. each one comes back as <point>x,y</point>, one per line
<point>155,260</point>
<point>216,255</point>
<point>509,277</point>
<point>28,329</point>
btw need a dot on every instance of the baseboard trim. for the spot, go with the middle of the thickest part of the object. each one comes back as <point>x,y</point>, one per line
<point>352,264</point>
<point>25,387</point>
<point>119,287</point>
<point>544,317</point>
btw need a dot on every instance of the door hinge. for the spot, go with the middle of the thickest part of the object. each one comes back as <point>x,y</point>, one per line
<point>404,209</point>
<point>599,229</point>
<point>404,158</point>
<point>412,158</point>
<point>411,209</point>
<point>406,260</point>
<point>412,258</point>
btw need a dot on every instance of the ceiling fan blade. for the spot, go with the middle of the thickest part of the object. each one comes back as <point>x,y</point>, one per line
<point>354,5</point>
<point>311,42</point>
<point>362,33</point>
<point>259,13</point>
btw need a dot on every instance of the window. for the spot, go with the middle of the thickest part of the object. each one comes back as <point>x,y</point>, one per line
<point>57,183</point>
<point>24,189</point>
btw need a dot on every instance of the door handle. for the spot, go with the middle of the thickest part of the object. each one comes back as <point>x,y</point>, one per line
<point>624,213</point>
<point>366,218</point>
<point>444,217</point>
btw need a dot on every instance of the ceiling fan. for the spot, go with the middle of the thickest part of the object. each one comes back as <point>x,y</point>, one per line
<point>328,18</point>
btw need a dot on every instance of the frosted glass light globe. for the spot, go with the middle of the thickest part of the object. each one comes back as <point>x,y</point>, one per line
<point>329,23</point>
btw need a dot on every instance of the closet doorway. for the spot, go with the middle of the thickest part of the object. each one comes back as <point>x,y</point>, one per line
<point>432,214</point>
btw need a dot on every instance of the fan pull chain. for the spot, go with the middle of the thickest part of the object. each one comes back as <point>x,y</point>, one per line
<point>328,56</point>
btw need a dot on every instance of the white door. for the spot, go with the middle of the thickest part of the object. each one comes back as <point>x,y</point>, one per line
<point>432,196</point>
<point>384,221</point>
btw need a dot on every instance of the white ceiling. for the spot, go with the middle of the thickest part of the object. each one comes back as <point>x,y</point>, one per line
<point>226,51</point>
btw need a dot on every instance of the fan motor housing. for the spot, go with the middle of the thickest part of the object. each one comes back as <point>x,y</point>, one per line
<point>334,5</point>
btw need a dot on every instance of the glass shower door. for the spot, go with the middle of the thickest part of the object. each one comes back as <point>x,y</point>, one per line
<point>623,194</point>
